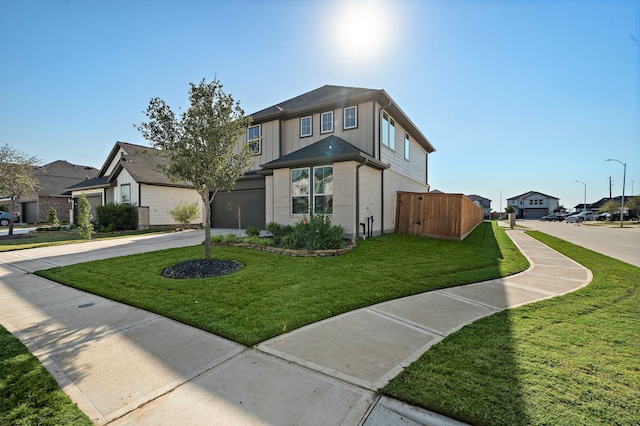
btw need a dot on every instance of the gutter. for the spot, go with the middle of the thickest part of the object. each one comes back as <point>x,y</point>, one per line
<point>357,221</point>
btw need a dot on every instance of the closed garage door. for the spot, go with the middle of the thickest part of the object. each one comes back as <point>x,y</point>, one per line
<point>94,201</point>
<point>535,213</point>
<point>250,205</point>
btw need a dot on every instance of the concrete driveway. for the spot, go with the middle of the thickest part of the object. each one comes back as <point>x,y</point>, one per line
<point>608,239</point>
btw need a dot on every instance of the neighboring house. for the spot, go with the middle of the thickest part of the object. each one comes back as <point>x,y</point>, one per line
<point>594,207</point>
<point>533,205</point>
<point>53,181</point>
<point>485,203</point>
<point>130,175</point>
<point>344,151</point>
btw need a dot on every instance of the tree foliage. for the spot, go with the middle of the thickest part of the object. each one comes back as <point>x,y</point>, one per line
<point>610,207</point>
<point>85,227</point>
<point>52,217</point>
<point>184,213</point>
<point>17,176</point>
<point>201,146</point>
<point>633,203</point>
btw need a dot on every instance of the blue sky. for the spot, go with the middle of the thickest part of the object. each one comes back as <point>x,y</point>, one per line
<point>515,95</point>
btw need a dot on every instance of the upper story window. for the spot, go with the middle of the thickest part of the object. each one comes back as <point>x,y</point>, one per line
<point>305,126</point>
<point>254,137</point>
<point>407,146</point>
<point>326,122</point>
<point>125,193</point>
<point>388,131</point>
<point>350,117</point>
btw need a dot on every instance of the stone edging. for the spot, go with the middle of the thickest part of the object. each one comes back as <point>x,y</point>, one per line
<point>293,253</point>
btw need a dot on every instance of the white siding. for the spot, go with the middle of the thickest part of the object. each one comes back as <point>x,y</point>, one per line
<point>416,167</point>
<point>161,199</point>
<point>115,161</point>
<point>124,178</point>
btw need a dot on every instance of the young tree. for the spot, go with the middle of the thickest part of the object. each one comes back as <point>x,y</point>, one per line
<point>610,207</point>
<point>85,227</point>
<point>52,217</point>
<point>184,213</point>
<point>17,176</point>
<point>202,145</point>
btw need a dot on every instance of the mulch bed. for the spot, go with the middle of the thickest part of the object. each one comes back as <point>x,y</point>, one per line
<point>201,268</point>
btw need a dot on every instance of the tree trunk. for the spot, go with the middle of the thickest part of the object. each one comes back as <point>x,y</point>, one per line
<point>13,208</point>
<point>206,222</point>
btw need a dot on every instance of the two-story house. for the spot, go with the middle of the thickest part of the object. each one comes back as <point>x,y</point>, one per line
<point>344,151</point>
<point>533,205</point>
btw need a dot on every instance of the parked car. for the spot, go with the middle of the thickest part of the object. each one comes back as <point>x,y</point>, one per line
<point>550,217</point>
<point>628,215</point>
<point>5,218</point>
<point>602,216</point>
<point>580,217</point>
<point>562,216</point>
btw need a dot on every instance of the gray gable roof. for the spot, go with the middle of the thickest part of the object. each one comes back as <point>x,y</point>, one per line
<point>55,178</point>
<point>141,162</point>
<point>330,97</point>
<point>324,97</point>
<point>526,194</point>
<point>329,150</point>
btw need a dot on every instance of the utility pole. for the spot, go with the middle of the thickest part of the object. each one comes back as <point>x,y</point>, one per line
<point>610,181</point>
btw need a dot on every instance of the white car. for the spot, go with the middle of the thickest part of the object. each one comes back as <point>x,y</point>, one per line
<point>580,217</point>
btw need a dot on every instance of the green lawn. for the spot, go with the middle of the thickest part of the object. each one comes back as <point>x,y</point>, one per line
<point>57,238</point>
<point>28,393</point>
<point>273,294</point>
<point>570,360</point>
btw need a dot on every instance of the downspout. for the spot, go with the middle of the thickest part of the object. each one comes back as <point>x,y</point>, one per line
<point>357,219</point>
<point>381,171</point>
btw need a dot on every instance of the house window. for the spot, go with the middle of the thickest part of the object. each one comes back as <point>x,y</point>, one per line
<point>351,117</point>
<point>327,122</point>
<point>300,191</point>
<point>388,131</point>
<point>125,193</point>
<point>323,189</point>
<point>305,126</point>
<point>407,146</point>
<point>530,202</point>
<point>254,137</point>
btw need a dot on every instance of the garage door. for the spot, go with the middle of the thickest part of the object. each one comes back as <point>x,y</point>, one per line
<point>535,213</point>
<point>94,201</point>
<point>248,204</point>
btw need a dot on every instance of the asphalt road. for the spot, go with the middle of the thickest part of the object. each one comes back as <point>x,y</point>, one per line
<point>608,239</point>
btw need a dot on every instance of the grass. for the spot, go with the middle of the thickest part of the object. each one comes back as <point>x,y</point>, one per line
<point>29,395</point>
<point>273,294</point>
<point>564,361</point>
<point>57,238</point>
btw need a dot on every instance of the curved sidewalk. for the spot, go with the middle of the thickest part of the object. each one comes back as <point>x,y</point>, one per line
<point>123,365</point>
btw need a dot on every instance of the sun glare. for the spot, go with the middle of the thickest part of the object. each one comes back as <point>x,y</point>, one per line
<point>361,29</point>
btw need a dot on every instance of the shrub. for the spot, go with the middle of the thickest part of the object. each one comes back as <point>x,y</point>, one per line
<point>184,213</point>
<point>52,218</point>
<point>117,217</point>
<point>252,231</point>
<point>85,227</point>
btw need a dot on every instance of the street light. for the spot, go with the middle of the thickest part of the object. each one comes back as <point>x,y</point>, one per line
<point>585,193</point>
<point>624,176</point>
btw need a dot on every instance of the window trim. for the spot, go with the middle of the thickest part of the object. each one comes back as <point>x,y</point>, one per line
<point>307,196</point>
<point>302,119</point>
<point>391,139</point>
<point>122,187</point>
<point>344,117</point>
<point>311,194</point>
<point>259,139</point>
<point>407,147</point>
<point>322,130</point>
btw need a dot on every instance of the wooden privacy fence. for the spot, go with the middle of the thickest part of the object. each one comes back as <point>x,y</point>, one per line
<point>449,216</point>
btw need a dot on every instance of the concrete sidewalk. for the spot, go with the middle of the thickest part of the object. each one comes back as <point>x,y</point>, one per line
<point>123,365</point>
